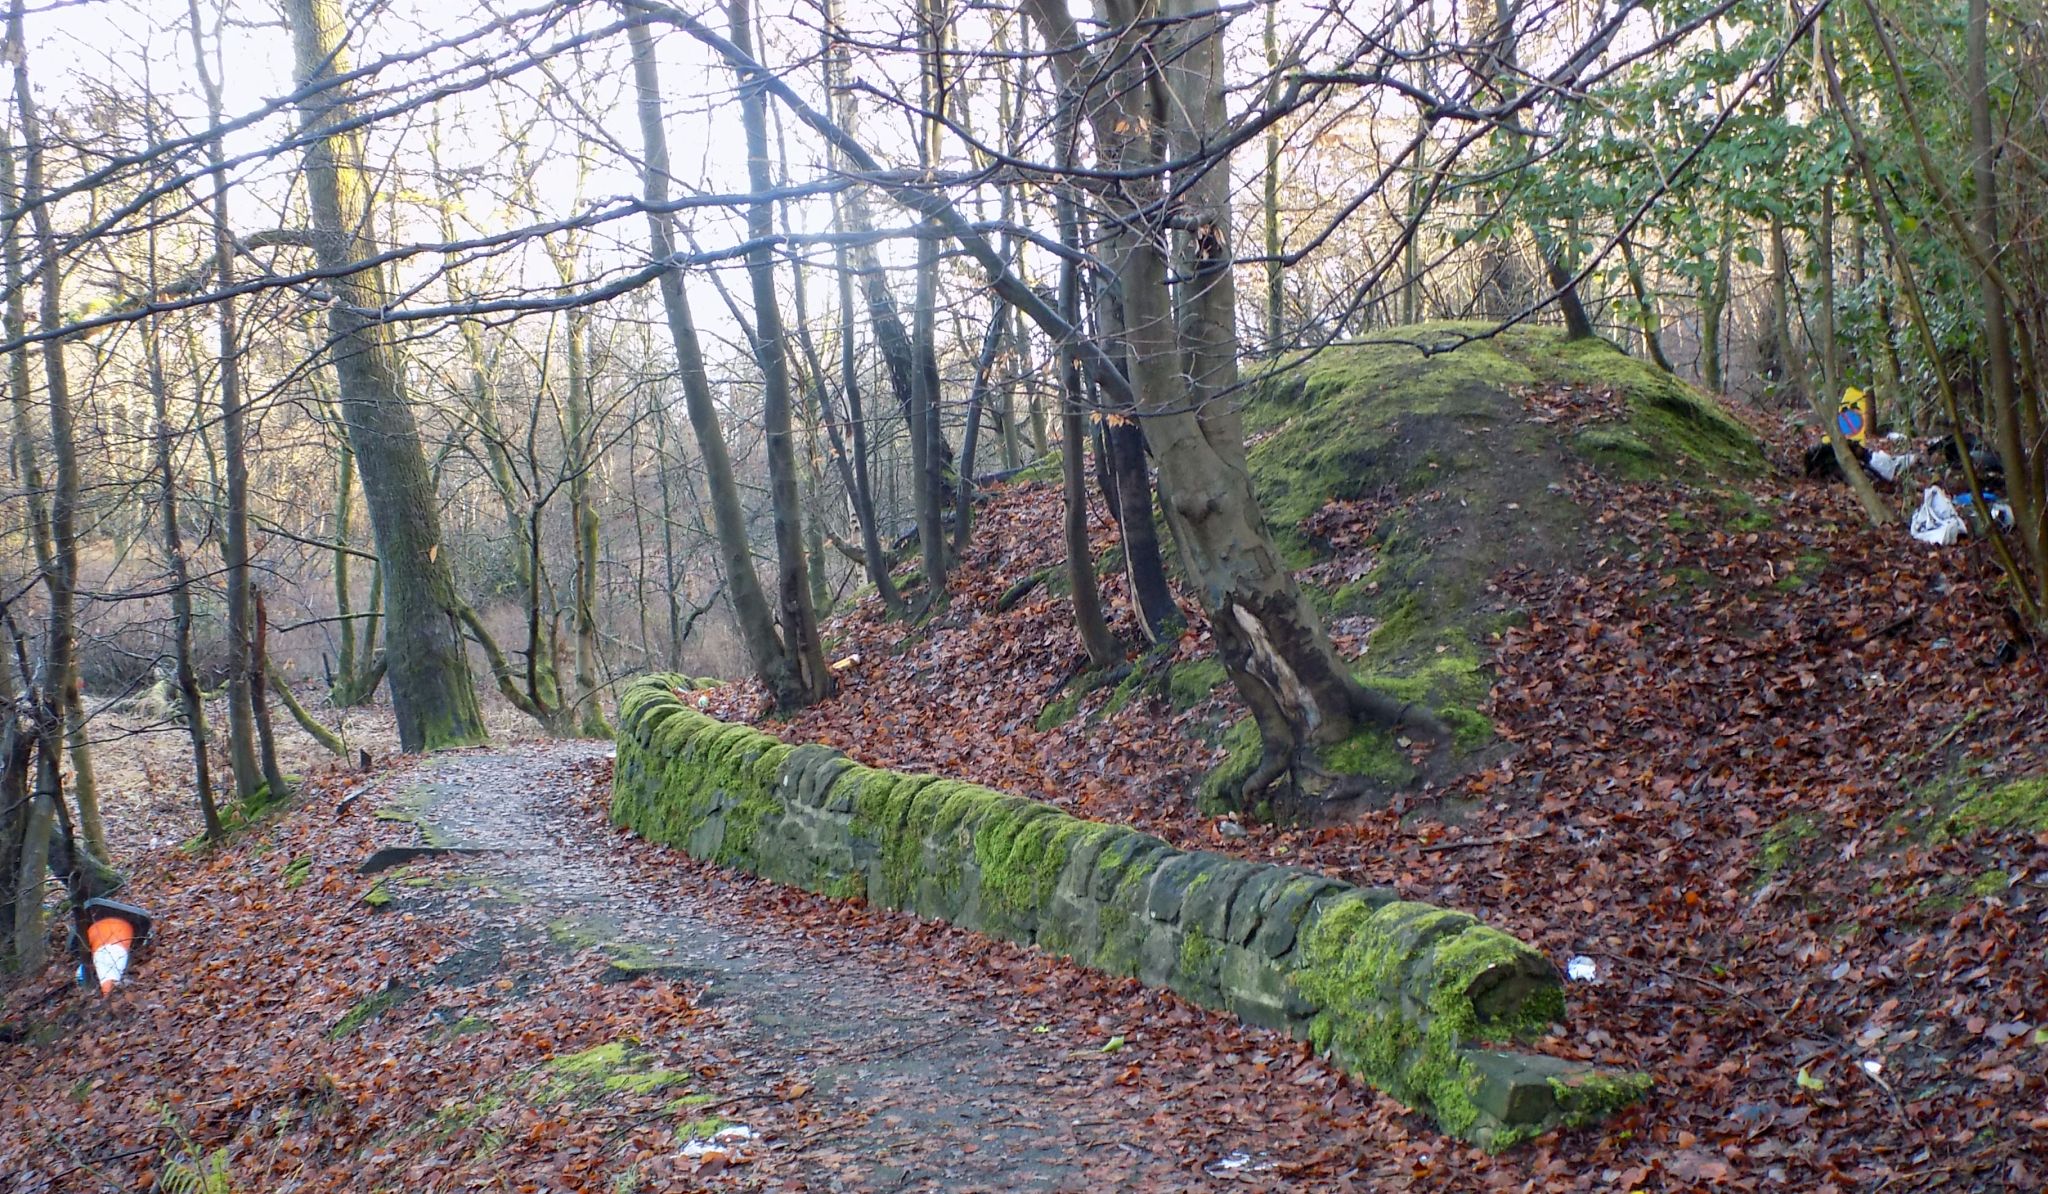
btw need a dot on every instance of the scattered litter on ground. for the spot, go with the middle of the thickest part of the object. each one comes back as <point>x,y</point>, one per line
<point>1581,969</point>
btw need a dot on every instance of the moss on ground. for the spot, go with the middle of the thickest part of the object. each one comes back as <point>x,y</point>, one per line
<point>2019,805</point>
<point>368,1008</point>
<point>1783,843</point>
<point>1218,790</point>
<point>618,1066</point>
<point>1189,684</point>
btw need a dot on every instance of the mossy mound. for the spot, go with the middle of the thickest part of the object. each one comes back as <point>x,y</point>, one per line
<point>1462,481</point>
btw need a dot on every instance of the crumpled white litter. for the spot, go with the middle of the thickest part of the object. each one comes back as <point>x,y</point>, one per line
<point>1887,466</point>
<point>1936,521</point>
<point>1582,969</point>
<point>1234,1161</point>
<point>724,1140</point>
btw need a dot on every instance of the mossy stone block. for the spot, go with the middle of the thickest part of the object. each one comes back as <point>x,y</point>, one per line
<point>1136,853</point>
<point>1284,909</point>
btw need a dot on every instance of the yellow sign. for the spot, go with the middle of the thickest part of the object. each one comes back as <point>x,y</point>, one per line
<point>1854,418</point>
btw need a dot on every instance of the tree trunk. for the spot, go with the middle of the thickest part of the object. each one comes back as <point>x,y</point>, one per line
<point>749,602</point>
<point>1123,441</point>
<point>431,692</point>
<point>1576,325</point>
<point>1275,289</point>
<point>1783,359</point>
<point>588,715</point>
<point>26,820</point>
<point>187,679</point>
<point>1713,310</point>
<point>1824,409</point>
<point>1096,639</point>
<point>984,364</point>
<point>2024,491</point>
<point>862,483</point>
<point>242,760</point>
<point>259,696</point>
<point>1647,317</point>
<point>60,653</point>
<point>808,680</point>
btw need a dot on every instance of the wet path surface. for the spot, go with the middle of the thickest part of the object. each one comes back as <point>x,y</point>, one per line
<point>914,1083</point>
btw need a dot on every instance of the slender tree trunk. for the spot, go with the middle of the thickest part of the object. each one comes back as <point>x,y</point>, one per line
<point>259,695</point>
<point>60,645</point>
<point>1831,367</point>
<point>671,581</point>
<point>749,602</point>
<point>808,678</point>
<point>924,409</point>
<point>862,488</point>
<point>27,819</point>
<point>927,469</point>
<point>1093,628</point>
<point>1713,310</point>
<point>588,716</point>
<point>1275,288</point>
<point>1127,484</point>
<point>1784,358</point>
<point>432,695</point>
<point>187,678</point>
<point>235,532</point>
<point>963,506</point>
<point>2023,488</point>
<point>1577,326</point>
<point>1647,317</point>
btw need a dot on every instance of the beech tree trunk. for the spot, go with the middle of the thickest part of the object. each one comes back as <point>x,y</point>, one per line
<point>432,695</point>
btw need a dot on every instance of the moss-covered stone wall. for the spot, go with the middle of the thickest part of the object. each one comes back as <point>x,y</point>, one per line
<point>1415,1000</point>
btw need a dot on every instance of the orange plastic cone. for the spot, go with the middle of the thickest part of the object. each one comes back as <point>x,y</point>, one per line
<point>109,938</point>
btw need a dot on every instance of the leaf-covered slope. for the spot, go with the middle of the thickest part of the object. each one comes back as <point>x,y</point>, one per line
<point>1405,477</point>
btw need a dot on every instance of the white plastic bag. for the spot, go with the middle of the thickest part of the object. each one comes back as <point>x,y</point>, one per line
<point>1887,466</point>
<point>1936,521</point>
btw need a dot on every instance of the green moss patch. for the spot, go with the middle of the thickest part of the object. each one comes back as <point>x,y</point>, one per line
<point>618,1066</point>
<point>1189,684</point>
<point>1784,843</point>
<point>2019,805</point>
<point>1406,988</point>
<point>368,1008</point>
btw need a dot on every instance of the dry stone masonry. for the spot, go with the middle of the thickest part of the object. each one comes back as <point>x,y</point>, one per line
<point>1422,1002</point>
